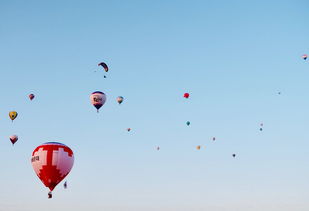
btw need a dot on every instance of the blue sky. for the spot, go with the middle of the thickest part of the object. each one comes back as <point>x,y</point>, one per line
<point>233,57</point>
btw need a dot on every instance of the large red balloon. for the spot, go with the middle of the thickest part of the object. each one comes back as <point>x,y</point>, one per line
<point>52,162</point>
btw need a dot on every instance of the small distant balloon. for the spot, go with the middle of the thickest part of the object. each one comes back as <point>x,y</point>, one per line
<point>128,129</point>
<point>65,185</point>
<point>305,56</point>
<point>261,124</point>
<point>31,96</point>
<point>261,129</point>
<point>13,139</point>
<point>214,138</point>
<point>234,155</point>
<point>13,115</point>
<point>188,123</point>
<point>104,66</point>
<point>198,147</point>
<point>186,95</point>
<point>119,99</point>
<point>158,148</point>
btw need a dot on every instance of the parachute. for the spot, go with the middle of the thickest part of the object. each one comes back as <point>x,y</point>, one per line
<point>97,99</point>
<point>186,95</point>
<point>104,66</point>
<point>13,139</point>
<point>13,115</point>
<point>31,96</point>
<point>52,162</point>
<point>305,56</point>
<point>119,99</point>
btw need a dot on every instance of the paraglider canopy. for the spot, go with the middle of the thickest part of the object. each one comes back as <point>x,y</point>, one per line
<point>104,66</point>
<point>186,95</point>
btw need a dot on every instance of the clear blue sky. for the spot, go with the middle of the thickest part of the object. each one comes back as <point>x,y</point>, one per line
<point>232,56</point>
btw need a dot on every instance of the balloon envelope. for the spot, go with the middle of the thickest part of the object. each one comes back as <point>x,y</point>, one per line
<point>52,162</point>
<point>31,96</point>
<point>186,95</point>
<point>13,115</point>
<point>120,99</point>
<point>305,56</point>
<point>97,99</point>
<point>13,139</point>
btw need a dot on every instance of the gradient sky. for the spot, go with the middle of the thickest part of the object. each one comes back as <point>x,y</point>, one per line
<point>232,56</point>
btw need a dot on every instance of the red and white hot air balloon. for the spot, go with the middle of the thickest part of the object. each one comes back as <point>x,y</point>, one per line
<point>13,139</point>
<point>97,99</point>
<point>52,162</point>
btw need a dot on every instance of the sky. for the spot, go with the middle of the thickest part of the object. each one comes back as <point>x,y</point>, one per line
<point>233,57</point>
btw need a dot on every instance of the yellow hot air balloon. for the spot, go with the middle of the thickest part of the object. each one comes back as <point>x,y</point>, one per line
<point>13,115</point>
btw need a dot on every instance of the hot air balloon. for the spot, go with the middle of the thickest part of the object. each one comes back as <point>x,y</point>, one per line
<point>234,155</point>
<point>52,162</point>
<point>261,124</point>
<point>119,99</point>
<point>31,96</point>
<point>104,66</point>
<point>128,129</point>
<point>97,99</point>
<point>305,56</point>
<point>188,123</point>
<point>213,138</point>
<point>261,129</point>
<point>198,147</point>
<point>13,115</point>
<point>186,95</point>
<point>13,139</point>
<point>158,148</point>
